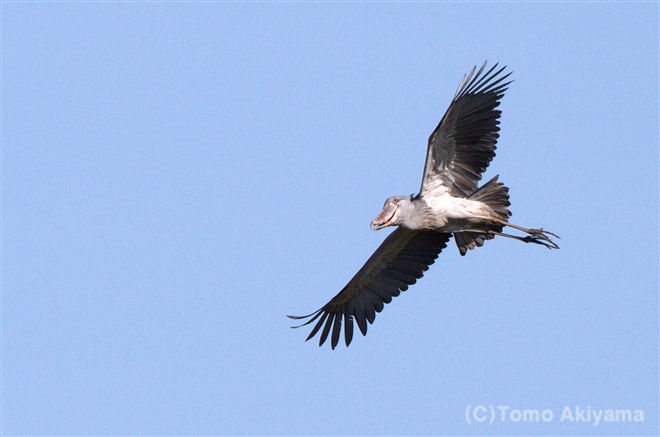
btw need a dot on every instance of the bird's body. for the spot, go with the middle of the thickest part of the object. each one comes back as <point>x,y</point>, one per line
<point>449,214</point>
<point>450,203</point>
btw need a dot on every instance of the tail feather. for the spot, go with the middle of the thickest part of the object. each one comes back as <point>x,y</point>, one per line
<point>496,196</point>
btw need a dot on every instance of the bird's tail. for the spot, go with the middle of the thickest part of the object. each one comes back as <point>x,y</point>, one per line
<point>496,196</point>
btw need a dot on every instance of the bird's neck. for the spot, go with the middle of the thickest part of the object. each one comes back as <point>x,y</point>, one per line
<point>417,215</point>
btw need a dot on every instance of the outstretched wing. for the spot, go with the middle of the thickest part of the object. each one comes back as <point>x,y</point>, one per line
<point>463,144</point>
<point>398,262</point>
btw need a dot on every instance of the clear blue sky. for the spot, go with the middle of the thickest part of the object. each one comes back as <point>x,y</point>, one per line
<point>178,177</point>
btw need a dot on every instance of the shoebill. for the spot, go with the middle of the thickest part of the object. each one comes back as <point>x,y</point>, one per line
<point>449,202</point>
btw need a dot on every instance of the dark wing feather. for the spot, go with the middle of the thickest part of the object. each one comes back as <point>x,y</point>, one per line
<point>398,262</point>
<point>463,144</point>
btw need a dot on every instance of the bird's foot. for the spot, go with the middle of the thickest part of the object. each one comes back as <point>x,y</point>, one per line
<point>539,236</point>
<point>541,233</point>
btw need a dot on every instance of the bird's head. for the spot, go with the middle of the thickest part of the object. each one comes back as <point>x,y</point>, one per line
<point>394,212</point>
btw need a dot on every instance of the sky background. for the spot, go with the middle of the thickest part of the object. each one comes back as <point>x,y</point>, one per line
<point>178,177</point>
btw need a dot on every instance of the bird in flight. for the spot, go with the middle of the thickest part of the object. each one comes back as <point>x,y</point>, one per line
<point>449,203</point>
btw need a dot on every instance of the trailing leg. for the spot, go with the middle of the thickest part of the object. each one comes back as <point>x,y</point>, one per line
<point>538,236</point>
<point>545,241</point>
